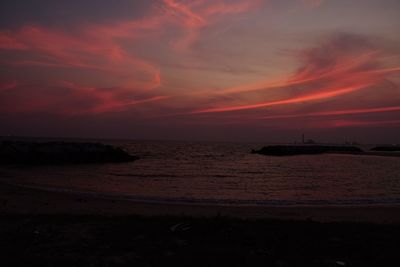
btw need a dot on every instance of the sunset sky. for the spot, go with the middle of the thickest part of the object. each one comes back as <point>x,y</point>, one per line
<point>234,70</point>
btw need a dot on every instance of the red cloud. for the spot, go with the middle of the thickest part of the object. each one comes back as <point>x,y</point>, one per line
<point>70,99</point>
<point>343,64</point>
<point>8,85</point>
<point>336,112</point>
<point>321,94</point>
<point>7,41</point>
<point>102,50</point>
<point>356,123</point>
<point>55,48</point>
<point>220,7</point>
<point>195,15</point>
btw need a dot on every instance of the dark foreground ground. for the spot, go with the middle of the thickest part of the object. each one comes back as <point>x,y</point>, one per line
<point>78,240</point>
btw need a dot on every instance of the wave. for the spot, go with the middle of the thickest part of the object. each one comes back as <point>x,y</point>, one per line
<point>142,175</point>
<point>215,202</point>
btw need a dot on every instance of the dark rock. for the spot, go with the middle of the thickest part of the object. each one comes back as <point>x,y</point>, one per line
<point>36,153</point>
<point>386,148</point>
<point>287,150</point>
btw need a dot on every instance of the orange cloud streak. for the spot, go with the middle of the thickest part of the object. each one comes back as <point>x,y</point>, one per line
<point>306,98</point>
<point>353,123</point>
<point>72,99</point>
<point>310,74</point>
<point>336,112</point>
<point>345,62</point>
<point>108,100</point>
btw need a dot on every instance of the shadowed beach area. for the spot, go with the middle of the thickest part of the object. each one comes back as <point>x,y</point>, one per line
<point>42,228</point>
<point>21,200</point>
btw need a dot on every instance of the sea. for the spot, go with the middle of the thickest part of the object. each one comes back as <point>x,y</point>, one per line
<point>218,173</point>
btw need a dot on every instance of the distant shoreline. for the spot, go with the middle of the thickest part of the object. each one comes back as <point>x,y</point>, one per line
<point>316,149</point>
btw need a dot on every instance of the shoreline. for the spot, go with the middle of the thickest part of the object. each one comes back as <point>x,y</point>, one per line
<point>195,202</point>
<point>29,201</point>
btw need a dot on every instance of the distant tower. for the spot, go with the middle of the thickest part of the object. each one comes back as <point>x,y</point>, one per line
<point>303,138</point>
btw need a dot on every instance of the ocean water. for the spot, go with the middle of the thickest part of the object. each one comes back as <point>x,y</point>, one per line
<point>223,174</point>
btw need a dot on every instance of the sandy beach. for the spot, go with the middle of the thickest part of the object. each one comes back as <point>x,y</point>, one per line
<point>41,228</point>
<point>28,201</point>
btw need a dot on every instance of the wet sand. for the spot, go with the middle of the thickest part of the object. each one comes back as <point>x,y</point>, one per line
<point>19,200</point>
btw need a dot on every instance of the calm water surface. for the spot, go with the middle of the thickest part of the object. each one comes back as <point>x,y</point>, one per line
<point>224,173</point>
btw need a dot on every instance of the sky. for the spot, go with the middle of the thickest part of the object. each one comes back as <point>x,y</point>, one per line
<point>220,70</point>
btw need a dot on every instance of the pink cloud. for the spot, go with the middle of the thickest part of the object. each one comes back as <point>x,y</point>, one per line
<point>196,15</point>
<point>357,123</point>
<point>7,41</point>
<point>8,85</point>
<point>339,66</point>
<point>49,47</point>
<point>71,99</point>
<point>320,94</point>
<point>335,113</point>
<point>102,48</point>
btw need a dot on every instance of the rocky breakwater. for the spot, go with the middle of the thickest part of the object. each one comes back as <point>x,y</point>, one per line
<point>291,150</point>
<point>37,153</point>
<point>394,148</point>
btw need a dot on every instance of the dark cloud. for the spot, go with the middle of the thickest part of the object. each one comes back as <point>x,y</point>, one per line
<point>14,13</point>
<point>339,48</point>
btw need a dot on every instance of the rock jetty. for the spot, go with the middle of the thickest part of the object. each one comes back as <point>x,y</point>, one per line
<point>387,148</point>
<point>37,153</point>
<point>291,150</point>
